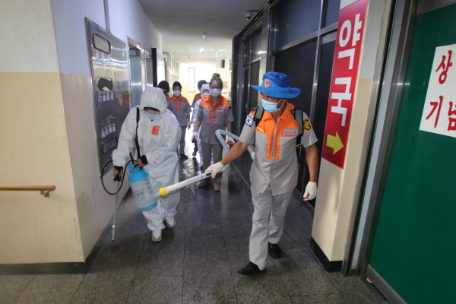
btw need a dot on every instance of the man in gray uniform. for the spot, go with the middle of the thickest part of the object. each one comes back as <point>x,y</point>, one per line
<point>178,104</point>
<point>274,171</point>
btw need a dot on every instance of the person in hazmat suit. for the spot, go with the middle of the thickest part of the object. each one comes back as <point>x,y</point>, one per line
<point>158,134</point>
<point>274,171</point>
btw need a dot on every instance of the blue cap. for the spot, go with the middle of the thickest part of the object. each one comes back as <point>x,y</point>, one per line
<point>277,85</point>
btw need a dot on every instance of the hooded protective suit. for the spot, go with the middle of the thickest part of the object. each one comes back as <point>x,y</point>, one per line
<point>158,141</point>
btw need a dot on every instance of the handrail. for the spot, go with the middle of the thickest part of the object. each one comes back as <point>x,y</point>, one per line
<point>44,190</point>
<point>220,133</point>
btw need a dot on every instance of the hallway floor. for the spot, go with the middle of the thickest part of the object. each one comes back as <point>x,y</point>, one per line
<point>196,262</point>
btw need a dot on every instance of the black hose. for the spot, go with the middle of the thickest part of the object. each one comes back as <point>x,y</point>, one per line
<point>121,184</point>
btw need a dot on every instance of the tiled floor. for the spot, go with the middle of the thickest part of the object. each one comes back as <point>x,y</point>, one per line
<point>196,262</point>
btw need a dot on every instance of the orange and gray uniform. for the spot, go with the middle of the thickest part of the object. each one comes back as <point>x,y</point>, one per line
<point>196,98</point>
<point>180,108</point>
<point>213,118</point>
<point>273,175</point>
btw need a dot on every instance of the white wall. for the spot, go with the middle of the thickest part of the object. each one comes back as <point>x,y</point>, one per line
<point>135,23</point>
<point>27,44</point>
<point>35,148</point>
<point>70,32</point>
<point>48,129</point>
<point>127,19</point>
<point>225,74</point>
<point>202,71</point>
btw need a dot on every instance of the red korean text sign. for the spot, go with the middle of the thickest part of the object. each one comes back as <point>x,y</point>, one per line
<point>343,81</point>
<point>439,112</point>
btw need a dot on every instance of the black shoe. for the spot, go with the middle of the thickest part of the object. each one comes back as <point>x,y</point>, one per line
<point>274,251</point>
<point>183,156</point>
<point>250,269</point>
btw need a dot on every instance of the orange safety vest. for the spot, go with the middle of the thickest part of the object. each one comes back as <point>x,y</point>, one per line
<point>287,127</point>
<point>207,103</point>
<point>178,102</point>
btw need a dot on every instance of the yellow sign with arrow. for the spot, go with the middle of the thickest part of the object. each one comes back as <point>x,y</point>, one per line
<point>334,142</point>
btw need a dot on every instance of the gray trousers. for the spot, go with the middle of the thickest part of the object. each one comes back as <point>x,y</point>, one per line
<point>267,223</point>
<point>216,151</point>
<point>182,141</point>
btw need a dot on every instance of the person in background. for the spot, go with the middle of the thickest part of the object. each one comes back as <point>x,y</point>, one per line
<point>216,76</point>
<point>178,104</point>
<point>274,172</point>
<point>195,99</point>
<point>164,85</point>
<point>198,96</point>
<point>214,115</point>
<point>205,88</point>
<point>158,136</point>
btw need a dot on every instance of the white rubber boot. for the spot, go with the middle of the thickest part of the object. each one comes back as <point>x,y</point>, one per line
<point>171,222</point>
<point>156,235</point>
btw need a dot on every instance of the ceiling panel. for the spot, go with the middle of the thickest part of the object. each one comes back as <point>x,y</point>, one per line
<point>182,24</point>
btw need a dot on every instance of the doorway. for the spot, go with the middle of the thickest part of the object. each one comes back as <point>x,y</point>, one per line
<point>412,253</point>
<point>136,82</point>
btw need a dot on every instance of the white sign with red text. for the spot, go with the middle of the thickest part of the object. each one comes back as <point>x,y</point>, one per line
<point>439,113</point>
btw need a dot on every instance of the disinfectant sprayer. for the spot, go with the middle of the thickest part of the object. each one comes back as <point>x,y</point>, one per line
<point>166,190</point>
<point>144,192</point>
<point>219,133</point>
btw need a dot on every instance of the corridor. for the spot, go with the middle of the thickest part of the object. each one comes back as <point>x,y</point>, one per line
<point>195,262</point>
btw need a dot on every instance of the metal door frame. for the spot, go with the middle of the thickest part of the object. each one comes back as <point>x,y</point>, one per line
<point>386,122</point>
<point>142,64</point>
<point>396,66</point>
<point>93,28</point>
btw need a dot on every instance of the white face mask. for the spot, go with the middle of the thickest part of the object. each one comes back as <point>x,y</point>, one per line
<point>204,94</point>
<point>176,93</point>
<point>215,92</point>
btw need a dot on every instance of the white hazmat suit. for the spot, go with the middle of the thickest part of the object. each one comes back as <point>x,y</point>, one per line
<point>158,141</point>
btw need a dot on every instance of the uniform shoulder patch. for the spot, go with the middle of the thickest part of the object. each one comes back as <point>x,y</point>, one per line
<point>306,125</point>
<point>155,130</point>
<point>249,120</point>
